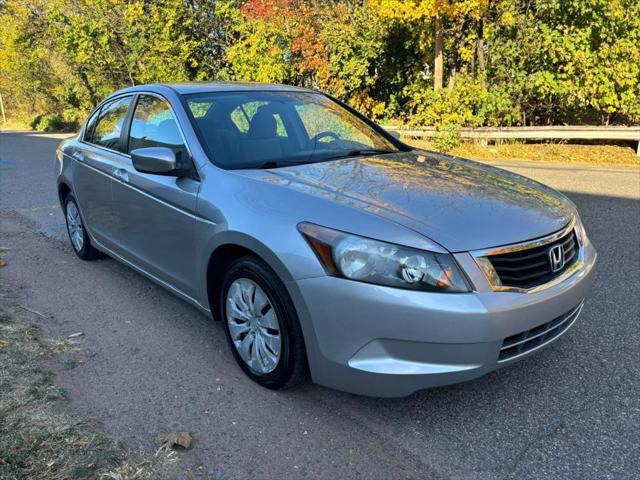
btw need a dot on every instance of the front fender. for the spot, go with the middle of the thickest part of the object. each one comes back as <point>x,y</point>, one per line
<point>260,249</point>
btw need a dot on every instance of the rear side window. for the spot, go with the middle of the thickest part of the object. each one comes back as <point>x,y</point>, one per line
<point>153,125</point>
<point>106,132</point>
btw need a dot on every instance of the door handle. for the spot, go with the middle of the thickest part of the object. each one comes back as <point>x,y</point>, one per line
<point>121,174</point>
<point>78,155</point>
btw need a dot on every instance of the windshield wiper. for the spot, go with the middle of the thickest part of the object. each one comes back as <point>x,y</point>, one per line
<point>281,163</point>
<point>351,153</point>
<point>360,152</point>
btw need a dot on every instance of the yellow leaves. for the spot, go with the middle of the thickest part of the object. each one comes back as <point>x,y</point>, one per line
<point>259,56</point>
<point>412,10</point>
<point>467,50</point>
<point>378,110</point>
<point>558,61</point>
<point>405,10</point>
<point>134,11</point>
<point>508,19</point>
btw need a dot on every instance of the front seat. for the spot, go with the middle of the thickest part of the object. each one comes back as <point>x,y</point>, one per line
<point>224,135</point>
<point>262,141</point>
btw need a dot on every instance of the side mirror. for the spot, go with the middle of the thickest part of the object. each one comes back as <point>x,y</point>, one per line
<point>157,160</point>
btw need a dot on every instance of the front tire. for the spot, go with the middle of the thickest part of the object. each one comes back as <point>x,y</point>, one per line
<point>78,236</point>
<point>261,325</point>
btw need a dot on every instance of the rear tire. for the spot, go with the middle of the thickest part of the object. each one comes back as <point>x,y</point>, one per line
<point>80,241</point>
<point>261,325</point>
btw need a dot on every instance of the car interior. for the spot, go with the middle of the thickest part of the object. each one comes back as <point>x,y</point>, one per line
<point>242,131</point>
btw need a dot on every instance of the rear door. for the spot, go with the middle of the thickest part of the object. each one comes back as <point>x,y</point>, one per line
<point>100,150</point>
<point>155,214</point>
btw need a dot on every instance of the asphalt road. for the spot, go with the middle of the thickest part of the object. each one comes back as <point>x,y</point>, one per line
<point>151,363</point>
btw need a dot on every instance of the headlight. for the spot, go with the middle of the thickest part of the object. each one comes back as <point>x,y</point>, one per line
<point>580,231</point>
<point>372,261</point>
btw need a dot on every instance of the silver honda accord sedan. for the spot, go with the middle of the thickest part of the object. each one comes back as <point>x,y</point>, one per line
<point>325,245</point>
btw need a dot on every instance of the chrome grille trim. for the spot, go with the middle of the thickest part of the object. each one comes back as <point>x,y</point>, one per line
<point>481,258</point>
<point>533,268</point>
<point>554,327</point>
<point>514,247</point>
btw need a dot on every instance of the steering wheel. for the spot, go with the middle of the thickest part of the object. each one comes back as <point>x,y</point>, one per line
<point>326,134</point>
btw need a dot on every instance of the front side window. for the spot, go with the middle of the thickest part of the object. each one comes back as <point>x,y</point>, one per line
<point>252,128</point>
<point>110,122</point>
<point>153,125</point>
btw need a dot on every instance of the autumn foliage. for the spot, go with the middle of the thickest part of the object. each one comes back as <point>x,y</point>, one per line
<point>448,63</point>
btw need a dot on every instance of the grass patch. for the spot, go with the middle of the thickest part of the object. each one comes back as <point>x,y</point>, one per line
<point>597,155</point>
<point>13,124</point>
<point>37,438</point>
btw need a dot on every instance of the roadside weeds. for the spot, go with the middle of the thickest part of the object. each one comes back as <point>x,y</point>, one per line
<point>573,154</point>
<point>38,437</point>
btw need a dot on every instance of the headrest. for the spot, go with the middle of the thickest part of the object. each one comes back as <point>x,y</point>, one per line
<point>218,117</point>
<point>263,124</point>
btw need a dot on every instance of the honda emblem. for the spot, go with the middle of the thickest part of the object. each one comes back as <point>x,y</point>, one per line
<point>556,258</point>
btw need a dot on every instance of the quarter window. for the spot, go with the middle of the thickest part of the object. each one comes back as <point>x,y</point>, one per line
<point>110,123</point>
<point>91,123</point>
<point>153,125</point>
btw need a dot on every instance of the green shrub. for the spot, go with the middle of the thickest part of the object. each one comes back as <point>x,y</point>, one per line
<point>447,137</point>
<point>52,122</point>
<point>459,105</point>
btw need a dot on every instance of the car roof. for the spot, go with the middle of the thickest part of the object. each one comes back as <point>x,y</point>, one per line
<point>207,87</point>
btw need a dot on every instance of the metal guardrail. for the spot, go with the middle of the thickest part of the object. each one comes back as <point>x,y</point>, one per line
<point>561,132</point>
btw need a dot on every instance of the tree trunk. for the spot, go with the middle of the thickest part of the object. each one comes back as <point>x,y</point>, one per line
<point>87,84</point>
<point>452,78</point>
<point>438,68</point>
<point>480,50</point>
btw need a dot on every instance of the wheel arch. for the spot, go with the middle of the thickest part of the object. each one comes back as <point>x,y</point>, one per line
<point>63,190</point>
<point>228,248</point>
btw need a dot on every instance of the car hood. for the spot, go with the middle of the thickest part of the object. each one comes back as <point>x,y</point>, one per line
<point>460,204</point>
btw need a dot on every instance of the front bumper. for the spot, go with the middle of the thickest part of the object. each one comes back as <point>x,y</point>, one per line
<point>387,342</point>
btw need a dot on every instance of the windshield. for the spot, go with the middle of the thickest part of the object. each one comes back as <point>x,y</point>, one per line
<point>269,129</point>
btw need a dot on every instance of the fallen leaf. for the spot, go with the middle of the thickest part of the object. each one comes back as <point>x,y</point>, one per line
<point>173,439</point>
<point>75,335</point>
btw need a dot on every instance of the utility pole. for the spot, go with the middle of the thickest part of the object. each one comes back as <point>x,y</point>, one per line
<point>438,68</point>
<point>4,117</point>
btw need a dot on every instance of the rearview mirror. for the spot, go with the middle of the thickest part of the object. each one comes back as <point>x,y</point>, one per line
<point>157,160</point>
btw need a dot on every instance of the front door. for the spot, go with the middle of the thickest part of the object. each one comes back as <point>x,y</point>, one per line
<point>155,214</point>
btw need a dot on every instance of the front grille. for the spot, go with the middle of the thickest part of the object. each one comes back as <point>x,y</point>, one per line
<point>532,267</point>
<point>529,340</point>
